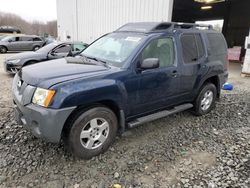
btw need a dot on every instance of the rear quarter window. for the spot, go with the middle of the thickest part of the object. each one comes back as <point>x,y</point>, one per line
<point>216,43</point>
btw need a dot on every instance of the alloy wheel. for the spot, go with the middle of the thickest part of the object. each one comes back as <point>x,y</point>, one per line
<point>94,133</point>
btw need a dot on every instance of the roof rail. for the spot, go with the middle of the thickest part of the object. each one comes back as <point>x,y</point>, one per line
<point>191,25</point>
<point>146,27</point>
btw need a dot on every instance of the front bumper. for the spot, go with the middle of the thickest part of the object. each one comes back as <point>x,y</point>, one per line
<point>10,68</point>
<point>43,122</point>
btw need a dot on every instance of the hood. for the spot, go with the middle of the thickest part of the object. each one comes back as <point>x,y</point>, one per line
<point>49,73</point>
<point>26,55</point>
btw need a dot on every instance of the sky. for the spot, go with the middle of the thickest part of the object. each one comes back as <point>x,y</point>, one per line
<point>42,10</point>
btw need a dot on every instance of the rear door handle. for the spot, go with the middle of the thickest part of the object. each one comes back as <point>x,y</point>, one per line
<point>174,73</point>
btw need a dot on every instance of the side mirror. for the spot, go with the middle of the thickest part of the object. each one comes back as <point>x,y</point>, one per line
<point>150,63</point>
<point>52,53</point>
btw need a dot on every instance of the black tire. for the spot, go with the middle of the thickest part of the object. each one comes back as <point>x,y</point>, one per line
<point>80,121</point>
<point>35,48</point>
<point>3,49</point>
<point>199,107</point>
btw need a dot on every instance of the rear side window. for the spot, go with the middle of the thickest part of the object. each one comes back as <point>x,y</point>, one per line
<point>192,47</point>
<point>200,46</point>
<point>37,39</point>
<point>216,43</point>
<point>26,39</point>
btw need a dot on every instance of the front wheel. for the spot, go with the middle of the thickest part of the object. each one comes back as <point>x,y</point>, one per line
<point>205,100</point>
<point>35,48</point>
<point>92,132</point>
<point>3,49</point>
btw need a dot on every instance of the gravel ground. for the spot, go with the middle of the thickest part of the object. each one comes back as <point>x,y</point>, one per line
<point>177,151</point>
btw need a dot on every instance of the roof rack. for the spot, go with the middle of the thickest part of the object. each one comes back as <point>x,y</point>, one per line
<point>190,25</point>
<point>146,27</point>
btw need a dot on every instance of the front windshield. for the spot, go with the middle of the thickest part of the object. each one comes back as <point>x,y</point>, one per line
<point>2,37</point>
<point>114,48</point>
<point>47,48</point>
<point>7,38</point>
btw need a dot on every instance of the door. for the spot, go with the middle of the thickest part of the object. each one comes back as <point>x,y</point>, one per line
<point>25,43</point>
<point>158,87</point>
<point>13,43</point>
<point>193,62</point>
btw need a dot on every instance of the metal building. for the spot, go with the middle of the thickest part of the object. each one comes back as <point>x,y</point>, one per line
<point>87,20</point>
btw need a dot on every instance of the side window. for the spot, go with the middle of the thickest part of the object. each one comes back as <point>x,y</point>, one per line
<point>217,44</point>
<point>163,49</point>
<point>192,47</point>
<point>62,49</point>
<point>78,47</point>
<point>200,46</point>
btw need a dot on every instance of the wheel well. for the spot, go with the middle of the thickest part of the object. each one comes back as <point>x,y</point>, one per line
<point>214,80</point>
<point>4,47</point>
<point>106,103</point>
<point>29,62</point>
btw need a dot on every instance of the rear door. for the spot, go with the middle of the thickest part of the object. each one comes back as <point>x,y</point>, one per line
<point>193,62</point>
<point>25,43</point>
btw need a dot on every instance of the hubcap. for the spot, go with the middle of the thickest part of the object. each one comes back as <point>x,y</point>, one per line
<point>207,100</point>
<point>2,50</point>
<point>94,133</point>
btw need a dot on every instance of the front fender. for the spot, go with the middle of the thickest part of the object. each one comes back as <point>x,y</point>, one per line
<point>84,93</point>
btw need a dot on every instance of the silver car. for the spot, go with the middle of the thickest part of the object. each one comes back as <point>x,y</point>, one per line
<point>51,51</point>
<point>21,43</point>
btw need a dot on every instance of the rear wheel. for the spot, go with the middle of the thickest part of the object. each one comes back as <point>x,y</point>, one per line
<point>3,49</point>
<point>92,132</point>
<point>205,101</point>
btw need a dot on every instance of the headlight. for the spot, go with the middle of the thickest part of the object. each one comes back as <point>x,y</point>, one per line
<point>43,97</point>
<point>14,61</point>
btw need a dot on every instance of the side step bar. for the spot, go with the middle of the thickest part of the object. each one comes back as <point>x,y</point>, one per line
<point>158,115</point>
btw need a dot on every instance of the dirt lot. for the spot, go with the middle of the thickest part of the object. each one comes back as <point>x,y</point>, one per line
<point>177,151</point>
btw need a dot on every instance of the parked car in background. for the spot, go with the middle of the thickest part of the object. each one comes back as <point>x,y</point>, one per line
<point>51,51</point>
<point>2,36</point>
<point>21,43</point>
<point>136,74</point>
<point>9,30</point>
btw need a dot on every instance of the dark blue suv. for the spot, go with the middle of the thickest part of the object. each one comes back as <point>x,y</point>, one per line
<point>138,73</point>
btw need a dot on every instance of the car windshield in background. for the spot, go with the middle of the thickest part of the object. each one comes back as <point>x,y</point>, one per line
<point>7,38</point>
<point>47,48</point>
<point>114,48</point>
<point>1,37</point>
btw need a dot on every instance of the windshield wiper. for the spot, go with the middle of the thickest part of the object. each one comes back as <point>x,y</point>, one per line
<point>74,60</point>
<point>100,62</point>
